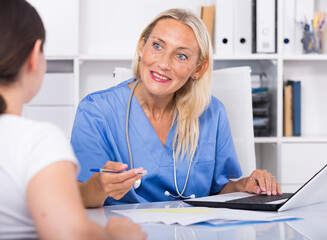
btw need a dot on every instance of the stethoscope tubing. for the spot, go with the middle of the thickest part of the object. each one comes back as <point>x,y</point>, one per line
<point>126,124</point>
<point>137,184</point>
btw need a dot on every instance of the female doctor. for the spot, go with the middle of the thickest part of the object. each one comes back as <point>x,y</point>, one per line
<point>163,125</point>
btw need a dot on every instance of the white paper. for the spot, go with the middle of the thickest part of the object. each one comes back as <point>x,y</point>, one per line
<point>192,215</point>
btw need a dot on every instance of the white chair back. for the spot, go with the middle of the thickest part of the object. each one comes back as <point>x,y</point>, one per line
<point>232,86</point>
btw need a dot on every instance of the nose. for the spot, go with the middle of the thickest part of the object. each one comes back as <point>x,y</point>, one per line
<point>164,62</point>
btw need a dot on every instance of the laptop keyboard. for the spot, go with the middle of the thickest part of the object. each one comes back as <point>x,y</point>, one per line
<point>261,198</point>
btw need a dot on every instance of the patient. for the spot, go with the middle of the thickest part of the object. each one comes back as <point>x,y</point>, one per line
<point>39,194</point>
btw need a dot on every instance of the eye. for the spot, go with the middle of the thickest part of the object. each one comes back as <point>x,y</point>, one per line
<point>182,56</point>
<point>157,46</point>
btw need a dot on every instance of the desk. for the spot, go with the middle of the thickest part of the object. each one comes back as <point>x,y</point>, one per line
<point>313,225</point>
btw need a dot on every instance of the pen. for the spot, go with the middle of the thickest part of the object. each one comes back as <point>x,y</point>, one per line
<point>322,24</point>
<point>315,22</point>
<point>109,171</point>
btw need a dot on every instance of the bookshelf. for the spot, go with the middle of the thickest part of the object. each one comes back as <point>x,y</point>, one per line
<point>102,35</point>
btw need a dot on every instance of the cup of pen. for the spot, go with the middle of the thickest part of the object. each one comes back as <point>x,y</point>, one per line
<point>312,41</point>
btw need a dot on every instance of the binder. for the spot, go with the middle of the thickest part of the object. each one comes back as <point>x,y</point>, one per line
<point>296,92</point>
<point>224,22</point>
<point>288,113</point>
<point>265,26</point>
<point>289,26</point>
<point>243,27</point>
<point>303,14</point>
<point>208,17</point>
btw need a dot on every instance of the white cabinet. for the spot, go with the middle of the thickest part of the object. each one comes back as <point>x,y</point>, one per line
<point>56,89</point>
<point>88,39</point>
<point>62,116</point>
<point>54,102</point>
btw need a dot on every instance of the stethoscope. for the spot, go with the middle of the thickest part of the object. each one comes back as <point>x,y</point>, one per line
<point>138,182</point>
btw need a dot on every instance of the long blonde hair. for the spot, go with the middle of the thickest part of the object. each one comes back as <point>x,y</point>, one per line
<point>194,97</point>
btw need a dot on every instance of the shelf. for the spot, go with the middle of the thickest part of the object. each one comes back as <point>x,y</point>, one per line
<point>265,140</point>
<point>49,57</point>
<point>90,57</point>
<point>290,140</point>
<point>304,140</point>
<point>106,57</point>
<point>302,57</point>
<point>246,57</point>
<point>306,57</point>
<point>94,52</point>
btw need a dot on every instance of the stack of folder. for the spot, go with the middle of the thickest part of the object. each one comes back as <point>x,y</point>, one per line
<point>261,105</point>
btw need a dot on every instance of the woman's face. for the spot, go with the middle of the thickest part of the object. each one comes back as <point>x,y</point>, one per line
<point>168,58</point>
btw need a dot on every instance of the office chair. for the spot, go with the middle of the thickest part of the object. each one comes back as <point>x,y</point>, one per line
<point>232,86</point>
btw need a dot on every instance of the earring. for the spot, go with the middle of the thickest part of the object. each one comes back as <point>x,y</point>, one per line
<point>139,59</point>
<point>194,79</point>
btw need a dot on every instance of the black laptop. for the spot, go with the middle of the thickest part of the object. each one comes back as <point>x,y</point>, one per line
<point>313,191</point>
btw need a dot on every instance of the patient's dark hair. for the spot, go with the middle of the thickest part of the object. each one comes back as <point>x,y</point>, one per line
<point>20,27</point>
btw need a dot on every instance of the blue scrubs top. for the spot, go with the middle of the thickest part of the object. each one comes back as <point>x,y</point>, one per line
<point>98,136</point>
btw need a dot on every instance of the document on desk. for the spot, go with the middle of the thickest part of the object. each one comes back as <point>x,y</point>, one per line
<point>192,215</point>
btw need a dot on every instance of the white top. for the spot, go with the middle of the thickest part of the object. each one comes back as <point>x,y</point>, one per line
<point>26,147</point>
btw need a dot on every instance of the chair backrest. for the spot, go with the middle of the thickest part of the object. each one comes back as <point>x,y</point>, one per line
<point>121,74</point>
<point>232,86</point>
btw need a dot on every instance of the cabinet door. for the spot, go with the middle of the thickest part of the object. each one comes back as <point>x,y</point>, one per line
<point>299,162</point>
<point>62,116</point>
<point>57,89</point>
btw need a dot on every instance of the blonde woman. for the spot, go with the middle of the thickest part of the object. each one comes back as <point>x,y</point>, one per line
<point>163,120</point>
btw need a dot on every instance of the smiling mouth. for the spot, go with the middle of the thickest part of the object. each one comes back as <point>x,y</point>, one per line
<point>158,77</point>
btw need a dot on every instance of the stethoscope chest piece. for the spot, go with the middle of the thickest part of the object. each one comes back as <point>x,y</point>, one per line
<point>137,184</point>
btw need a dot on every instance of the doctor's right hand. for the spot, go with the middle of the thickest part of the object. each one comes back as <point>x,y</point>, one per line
<point>116,185</point>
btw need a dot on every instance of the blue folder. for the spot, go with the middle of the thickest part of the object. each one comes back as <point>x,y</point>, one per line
<point>296,86</point>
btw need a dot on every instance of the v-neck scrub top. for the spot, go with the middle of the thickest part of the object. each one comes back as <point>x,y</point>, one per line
<point>98,136</point>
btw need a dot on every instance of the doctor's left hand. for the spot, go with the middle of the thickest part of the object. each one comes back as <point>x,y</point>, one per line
<point>116,185</point>
<point>262,181</point>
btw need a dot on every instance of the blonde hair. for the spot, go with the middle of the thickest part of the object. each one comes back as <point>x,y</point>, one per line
<point>194,97</point>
